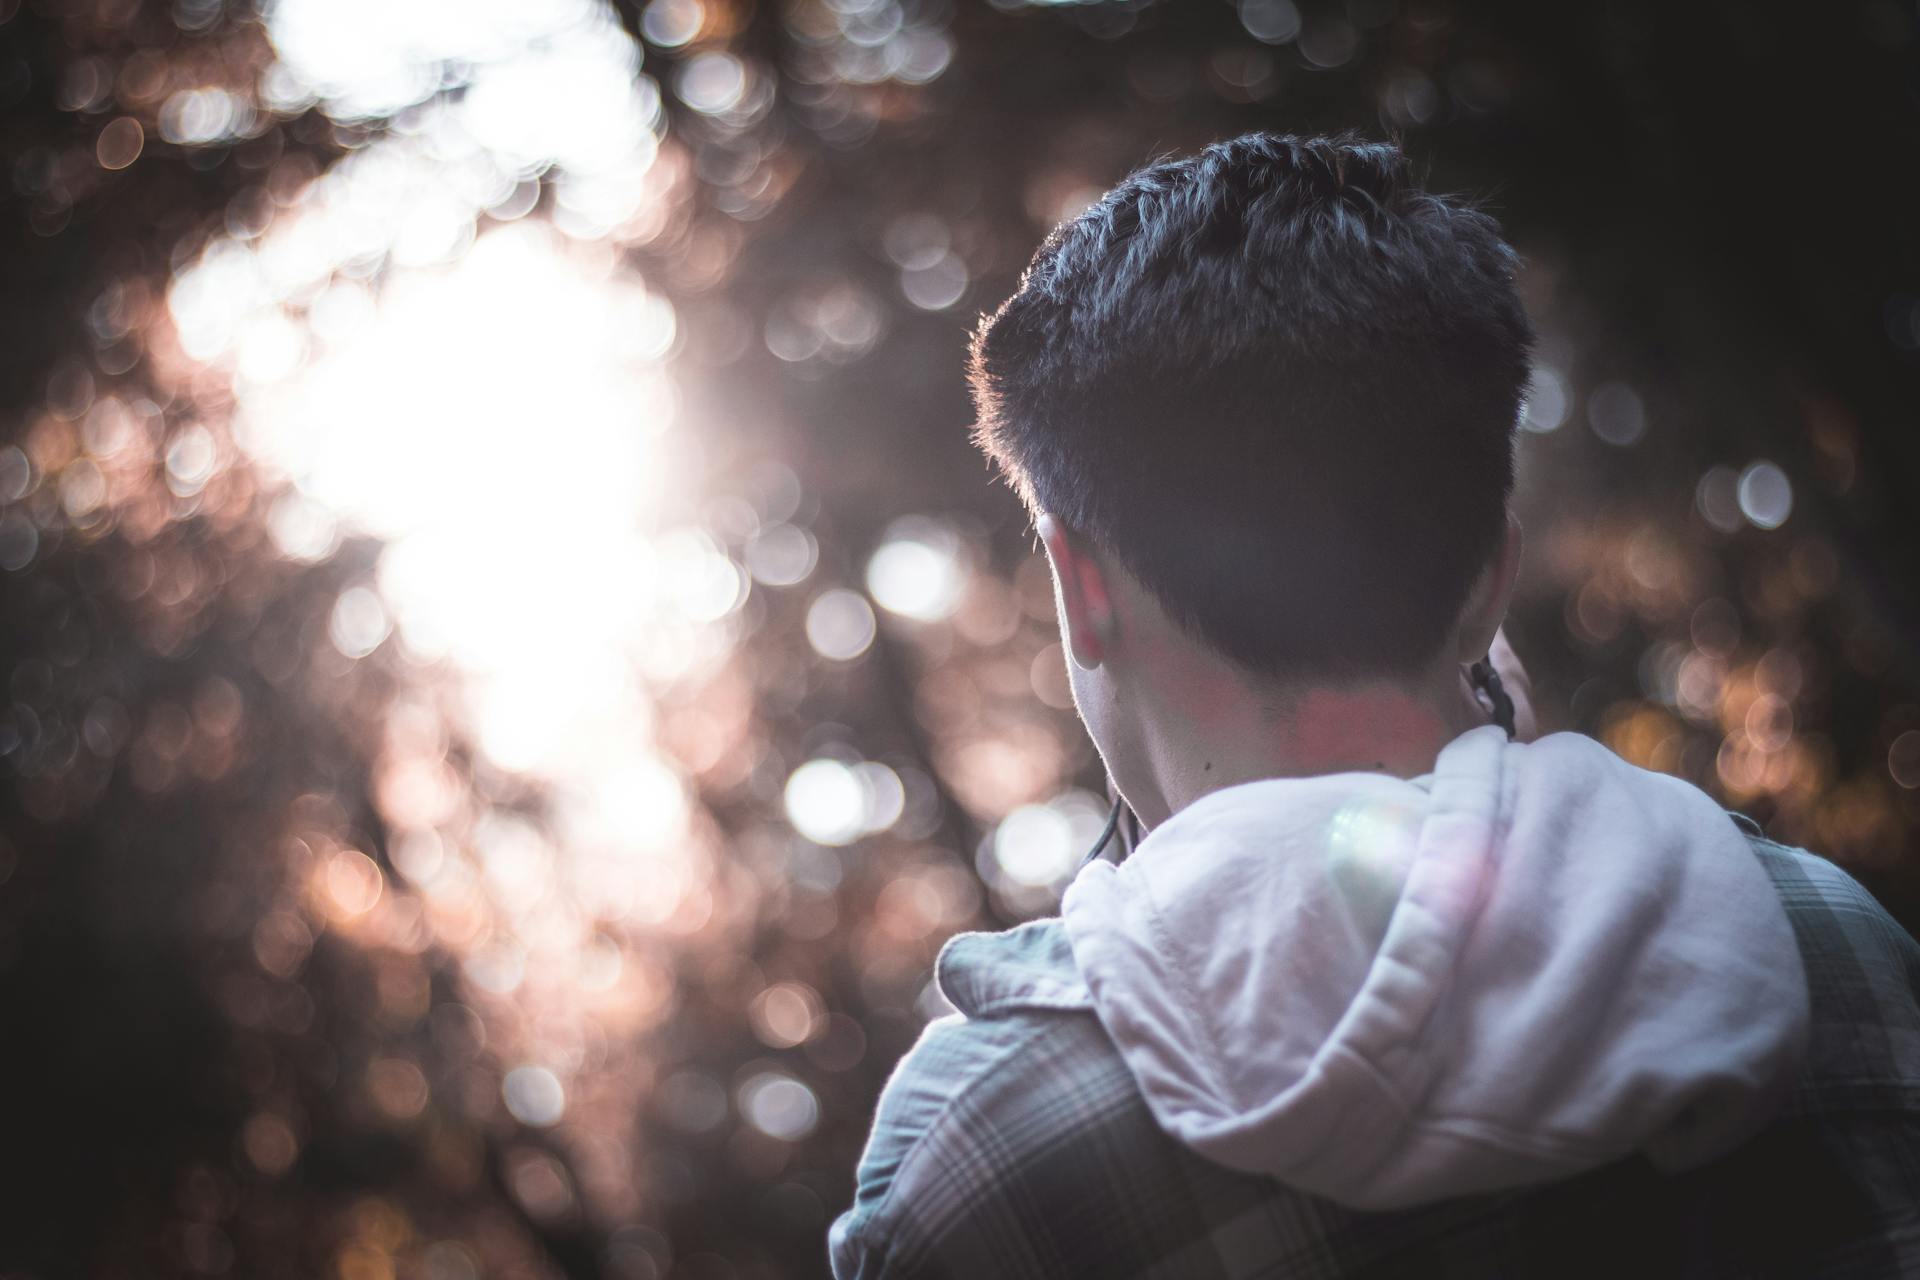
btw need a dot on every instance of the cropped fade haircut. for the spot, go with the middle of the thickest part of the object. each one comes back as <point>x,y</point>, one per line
<point>1278,382</point>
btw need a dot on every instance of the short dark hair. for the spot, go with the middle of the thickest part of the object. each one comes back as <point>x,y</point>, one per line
<point>1279,383</point>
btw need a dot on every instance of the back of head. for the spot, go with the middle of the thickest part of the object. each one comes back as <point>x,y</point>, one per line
<point>1278,383</point>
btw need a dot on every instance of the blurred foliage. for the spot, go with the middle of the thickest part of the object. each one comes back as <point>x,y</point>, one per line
<point>301,974</point>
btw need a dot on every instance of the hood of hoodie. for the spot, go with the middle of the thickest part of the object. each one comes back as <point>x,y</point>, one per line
<point>1534,960</point>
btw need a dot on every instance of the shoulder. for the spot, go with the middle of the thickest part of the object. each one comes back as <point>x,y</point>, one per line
<point>1863,978</point>
<point>1835,919</point>
<point>982,1094</point>
<point>1845,1140</point>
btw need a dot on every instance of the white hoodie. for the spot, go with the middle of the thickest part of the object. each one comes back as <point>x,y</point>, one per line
<point>1533,961</point>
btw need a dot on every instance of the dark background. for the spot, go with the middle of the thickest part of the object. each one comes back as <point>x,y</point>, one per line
<point>203,1073</point>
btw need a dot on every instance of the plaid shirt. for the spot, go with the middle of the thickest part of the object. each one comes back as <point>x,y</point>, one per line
<point>1012,1142</point>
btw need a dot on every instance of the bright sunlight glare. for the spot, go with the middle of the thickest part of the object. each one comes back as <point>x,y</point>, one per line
<point>497,423</point>
<point>483,392</point>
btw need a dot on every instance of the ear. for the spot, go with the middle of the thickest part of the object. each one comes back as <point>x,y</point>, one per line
<point>1080,592</point>
<point>1486,606</point>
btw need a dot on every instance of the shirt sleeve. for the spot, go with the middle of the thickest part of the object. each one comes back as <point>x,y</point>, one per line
<point>850,1254</point>
<point>908,1197</point>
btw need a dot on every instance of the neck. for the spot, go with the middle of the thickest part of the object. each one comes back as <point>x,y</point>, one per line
<point>1388,727</point>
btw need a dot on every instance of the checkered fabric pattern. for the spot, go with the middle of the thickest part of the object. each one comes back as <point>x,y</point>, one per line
<point>1013,1144</point>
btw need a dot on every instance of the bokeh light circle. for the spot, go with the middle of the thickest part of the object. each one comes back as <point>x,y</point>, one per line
<point>779,1106</point>
<point>840,625</point>
<point>917,572</point>
<point>1766,495</point>
<point>534,1096</point>
<point>826,803</point>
